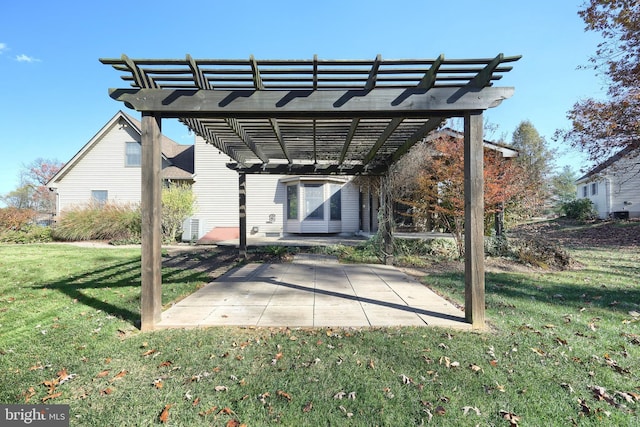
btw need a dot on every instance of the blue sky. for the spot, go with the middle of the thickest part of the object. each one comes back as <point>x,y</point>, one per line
<point>54,91</point>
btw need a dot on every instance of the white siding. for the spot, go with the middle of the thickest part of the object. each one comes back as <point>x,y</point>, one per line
<point>616,185</point>
<point>216,189</point>
<point>266,204</point>
<point>350,208</point>
<point>102,168</point>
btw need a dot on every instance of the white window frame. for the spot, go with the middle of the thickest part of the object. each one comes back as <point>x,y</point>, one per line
<point>100,197</point>
<point>129,160</point>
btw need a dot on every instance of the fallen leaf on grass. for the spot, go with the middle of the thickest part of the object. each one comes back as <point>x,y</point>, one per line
<point>344,410</point>
<point>165,364</point>
<point>406,380</point>
<point>339,395</point>
<point>538,351</point>
<point>119,375</point>
<point>208,411</point>
<point>221,388</point>
<point>226,411</point>
<point>466,409</point>
<point>308,407</point>
<point>51,396</point>
<point>107,391</point>
<point>164,415</point>
<point>626,396</point>
<point>475,368</point>
<point>158,384</point>
<point>287,396</point>
<point>511,417</point>
<point>148,352</point>
<point>440,410</point>
<point>63,376</point>
<point>103,374</point>
<point>29,394</point>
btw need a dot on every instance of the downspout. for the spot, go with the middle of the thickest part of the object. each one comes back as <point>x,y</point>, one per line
<point>607,194</point>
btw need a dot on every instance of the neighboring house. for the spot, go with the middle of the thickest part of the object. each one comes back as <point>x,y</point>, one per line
<point>614,185</point>
<point>107,168</point>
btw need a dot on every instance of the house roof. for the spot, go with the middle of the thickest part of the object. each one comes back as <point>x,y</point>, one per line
<point>504,149</point>
<point>179,157</point>
<point>312,116</point>
<point>610,161</point>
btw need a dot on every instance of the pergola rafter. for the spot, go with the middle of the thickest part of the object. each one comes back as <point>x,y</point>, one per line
<point>313,116</point>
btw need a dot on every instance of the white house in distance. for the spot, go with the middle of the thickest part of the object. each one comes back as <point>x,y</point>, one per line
<point>614,186</point>
<point>107,169</point>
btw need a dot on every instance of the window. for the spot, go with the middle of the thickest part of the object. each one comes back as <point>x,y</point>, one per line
<point>313,201</point>
<point>292,202</point>
<point>335,203</point>
<point>594,188</point>
<point>584,191</point>
<point>132,154</point>
<point>99,197</point>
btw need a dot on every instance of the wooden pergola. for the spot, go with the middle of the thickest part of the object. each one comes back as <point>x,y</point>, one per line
<point>302,117</point>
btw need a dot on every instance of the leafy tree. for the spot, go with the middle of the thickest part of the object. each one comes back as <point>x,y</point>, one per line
<point>33,192</point>
<point>602,127</point>
<point>438,190</point>
<point>535,160</point>
<point>563,187</point>
<point>178,203</point>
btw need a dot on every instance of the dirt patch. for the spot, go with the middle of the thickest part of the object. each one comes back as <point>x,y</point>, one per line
<point>571,234</point>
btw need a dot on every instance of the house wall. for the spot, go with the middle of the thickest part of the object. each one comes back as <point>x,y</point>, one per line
<point>617,184</point>
<point>216,189</point>
<point>102,168</point>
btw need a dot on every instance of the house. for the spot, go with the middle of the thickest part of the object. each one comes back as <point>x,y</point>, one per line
<point>107,168</point>
<point>614,185</point>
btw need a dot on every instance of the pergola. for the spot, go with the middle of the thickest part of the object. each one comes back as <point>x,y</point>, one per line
<point>315,116</point>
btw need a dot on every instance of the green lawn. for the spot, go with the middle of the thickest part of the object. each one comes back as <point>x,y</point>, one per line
<point>563,349</point>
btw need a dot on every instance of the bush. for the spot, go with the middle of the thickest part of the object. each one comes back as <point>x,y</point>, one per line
<point>100,222</point>
<point>498,246</point>
<point>579,209</point>
<point>27,234</point>
<point>15,219</point>
<point>177,205</point>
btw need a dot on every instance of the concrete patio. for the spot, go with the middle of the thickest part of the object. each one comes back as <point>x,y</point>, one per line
<point>313,291</point>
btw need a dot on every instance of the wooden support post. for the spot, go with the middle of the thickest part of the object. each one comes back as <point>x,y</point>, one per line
<point>474,220</point>
<point>242,191</point>
<point>151,206</point>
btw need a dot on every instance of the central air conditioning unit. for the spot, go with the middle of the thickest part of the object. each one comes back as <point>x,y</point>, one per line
<point>192,229</point>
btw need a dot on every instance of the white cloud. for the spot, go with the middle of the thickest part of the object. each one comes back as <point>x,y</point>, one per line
<point>3,47</point>
<point>25,58</point>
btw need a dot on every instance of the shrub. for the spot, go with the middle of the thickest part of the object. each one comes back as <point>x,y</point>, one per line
<point>178,203</point>
<point>26,234</point>
<point>100,222</point>
<point>14,218</point>
<point>579,209</point>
